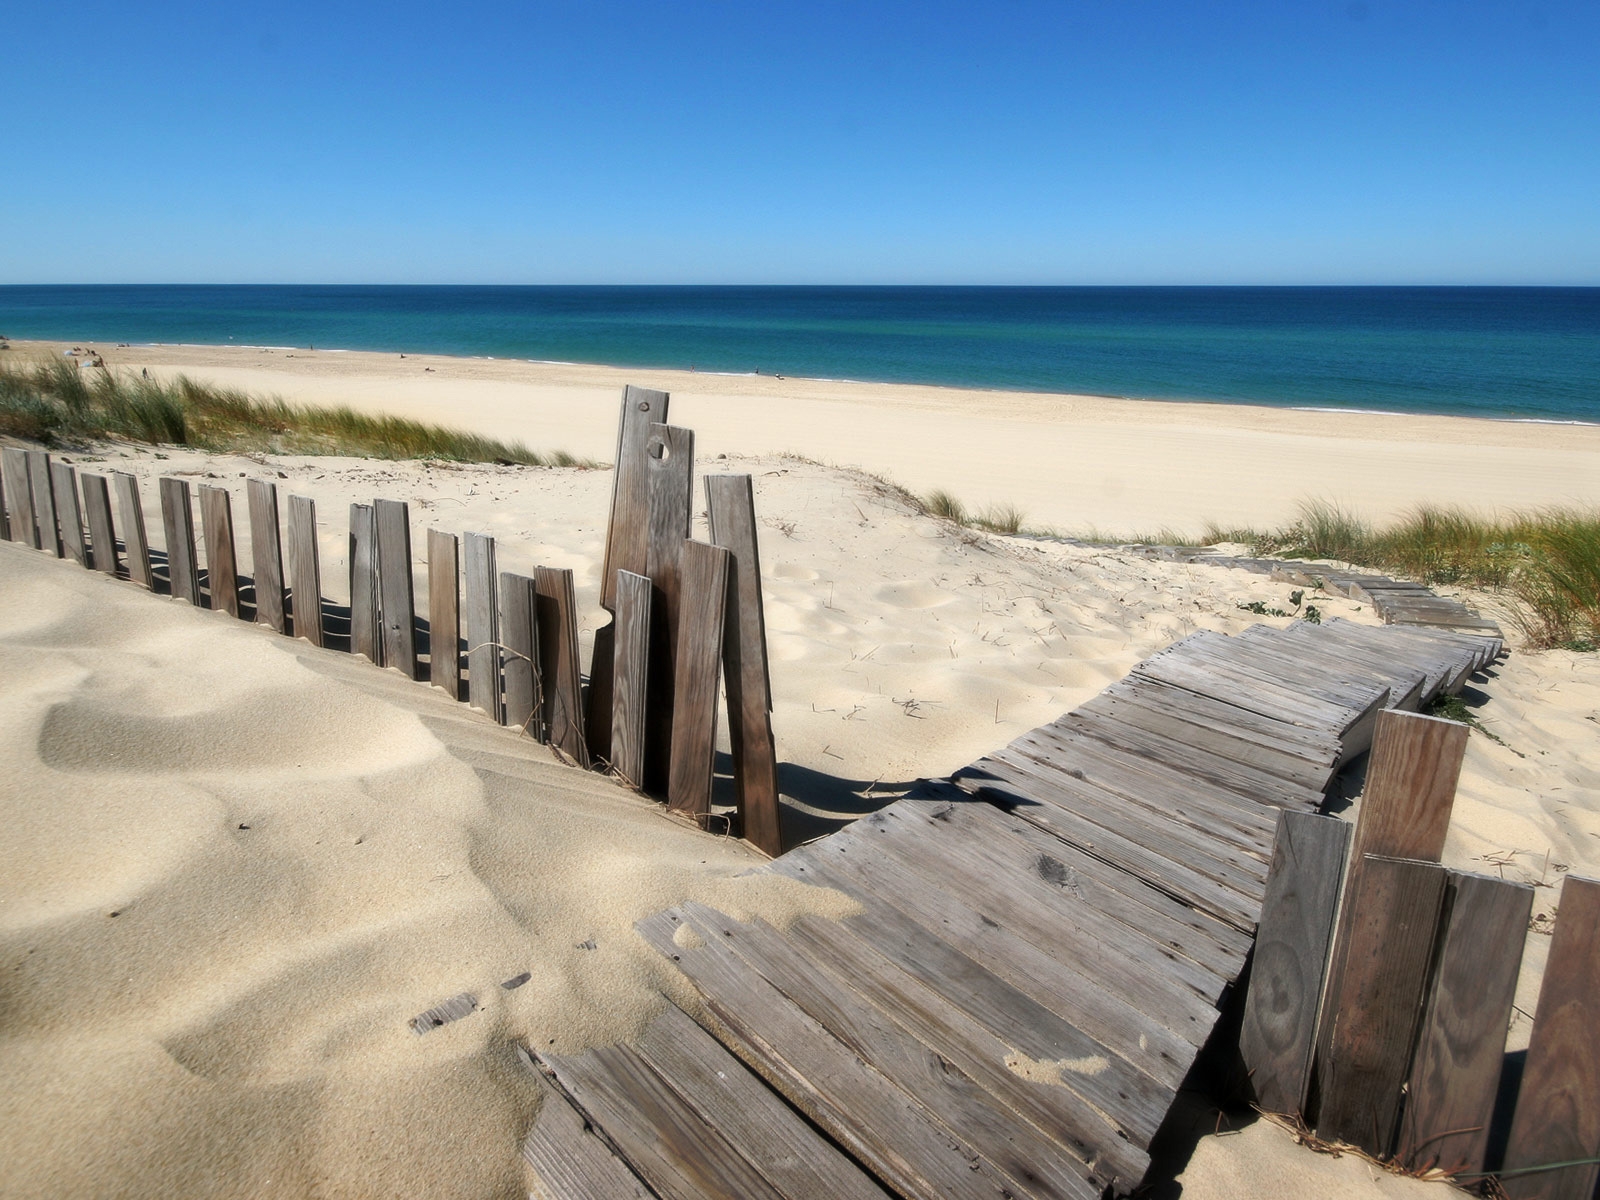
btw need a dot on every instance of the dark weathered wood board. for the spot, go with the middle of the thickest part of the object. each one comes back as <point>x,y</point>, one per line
<point>483,624</point>
<point>1455,1072</point>
<point>135,541</point>
<point>102,530</point>
<point>5,514</point>
<point>444,612</point>
<point>1291,955</point>
<point>222,562</point>
<point>177,523</point>
<point>1372,1015</point>
<point>630,671</point>
<point>703,596</point>
<point>24,525</point>
<point>670,471</point>
<point>305,558</point>
<point>561,679</point>
<point>730,505</point>
<point>69,513</point>
<point>519,655</point>
<point>41,480</point>
<point>397,603</point>
<point>1557,1118</point>
<point>366,637</point>
<point>266,555</point>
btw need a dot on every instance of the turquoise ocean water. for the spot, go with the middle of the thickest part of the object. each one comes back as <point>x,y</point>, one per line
<point>1508,353</point>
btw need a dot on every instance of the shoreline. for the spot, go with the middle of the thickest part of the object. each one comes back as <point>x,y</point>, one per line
<point>1070,462</point>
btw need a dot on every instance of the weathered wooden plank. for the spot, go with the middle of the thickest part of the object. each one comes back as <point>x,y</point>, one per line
<point>519,655</point>
<point>1455,1073</point>
<point>5,514</point>
<point>19,497</point>
<point>397,602</point>
<point>222,564</point>
<point>730,505</point>
<point>569,1157</point>
<point>135,541</point>
<point>483,624</point>
<point>69,514</point>
<point>1372,1016</point>
<point>266,555</point>
<point>630,670</point>
<point>1557,1119</point>
<point>1291,958</point>
<point>40,479</point>
<point>560,675</point>
<point>670,471</point>
<point>366,632</point>
<point>102,531</point>
<point>305,559</point>
<point>704,594</point>
<point>761,1127</point>
<point>444,612</point>
<point>462,1005</point>
<point>177,523</point>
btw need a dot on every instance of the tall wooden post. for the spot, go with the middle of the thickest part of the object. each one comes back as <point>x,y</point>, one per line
<point>444,612</point>
<point>222,565</point>
<point>102,531</point>
<point>670,457</point>
<point>307,579</point>
<point>266,555</point>
<point>134,538</point>
<point>397,603</point>
<point>177,522</point>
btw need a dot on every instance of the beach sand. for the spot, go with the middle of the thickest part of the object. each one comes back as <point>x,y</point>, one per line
<point>302,852</point>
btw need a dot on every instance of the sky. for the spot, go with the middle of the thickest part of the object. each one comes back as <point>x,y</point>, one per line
<point>1007,142</point>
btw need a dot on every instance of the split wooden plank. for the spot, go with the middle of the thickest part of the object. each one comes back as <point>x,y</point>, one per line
<point>630,670</point>
<point>40,480</point>
<point>1557,1119</point>
<point>102,532</point>
<point>397,602</point>
<point>462,1005</point>
<point>177,522</point>
<point>1456,1071</point>
<point>569,1157</point>
<point>19,497</point>
<point>730,505</point>
<point>222,564</point>
<point>698,663</point>
<point>519,650</point>
<point>444,612</point>
<point>560,675</point>
<point>1291,958</point>
<point>306,581</point>
<point>69,514</point>
<point>483,624</point>
<point>670,470</point>
<point>1372,1016</point>
<point>266,555</point>
<point>135,542</point>
<point>366,631</point>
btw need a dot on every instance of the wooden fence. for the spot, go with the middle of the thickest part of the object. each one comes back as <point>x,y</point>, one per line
<point>685,614</point>
<point>1382,986</point>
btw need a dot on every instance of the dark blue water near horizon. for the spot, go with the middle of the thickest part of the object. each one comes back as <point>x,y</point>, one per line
<point>1502,352</point>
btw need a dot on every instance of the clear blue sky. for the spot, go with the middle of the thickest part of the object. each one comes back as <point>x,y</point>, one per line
<point>1113,141</point>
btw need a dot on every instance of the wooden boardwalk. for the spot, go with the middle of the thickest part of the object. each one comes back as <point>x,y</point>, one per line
<point>1044,944</point>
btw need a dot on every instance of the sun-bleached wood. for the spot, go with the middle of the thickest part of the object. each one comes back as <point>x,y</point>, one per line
<point>670,468</point>
<point>704,595</point>
<point>102,531</point>
<point>266,554</point>
<point>69,514</point>
<point>630,669</point>
<point>397,602</point>
<point>19,497</point>
<point>136,543</point>
<point>561,682</point>
<point>519,655</point>
<point>306,581</point>
<point>483,624</point>
<point>222,564</point>
<point>365,635</point>
<point>177,523</point>
<point>444,612</point>
<point>44,501</point>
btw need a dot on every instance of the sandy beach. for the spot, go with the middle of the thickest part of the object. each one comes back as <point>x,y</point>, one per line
<point>237,865</point>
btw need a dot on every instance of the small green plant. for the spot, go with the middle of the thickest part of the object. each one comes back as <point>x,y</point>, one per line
<point>1260,609</point>
<point>1312,615</point>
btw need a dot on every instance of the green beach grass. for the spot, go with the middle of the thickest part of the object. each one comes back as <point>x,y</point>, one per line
<point>55,401</point>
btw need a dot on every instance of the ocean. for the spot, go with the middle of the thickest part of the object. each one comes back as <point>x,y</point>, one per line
<point>1507,353</point>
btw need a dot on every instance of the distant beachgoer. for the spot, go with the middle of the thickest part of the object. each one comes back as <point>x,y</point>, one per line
<point>147,372</point>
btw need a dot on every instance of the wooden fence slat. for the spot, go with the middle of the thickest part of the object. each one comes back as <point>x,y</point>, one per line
<point>266,554</point>
<point>670,467</point>
<point>730,504</point>
<point>699,663</point>
<point>177,522</point>
<point>102,532</point>
<point>306,582</point>
<point>365,632</point>
<point>519,638</point>
<point>1455,1073</point>
<point>19,497</point>
<point>135,541</point>
<point>1291,957</point>
<point>397,603</point>
<point>1372,1018</point>
<point>69,515</point>
<point>444,612</point>
<point>560,676</point>
<point>1558,1108</point>
<point>222,562</point>
<point>483,624</point>
<point>5,501</point>
<point>44,501</point>
<point>630,669</point>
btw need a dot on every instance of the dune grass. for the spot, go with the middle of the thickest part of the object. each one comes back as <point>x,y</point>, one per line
<point>55,400</point>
